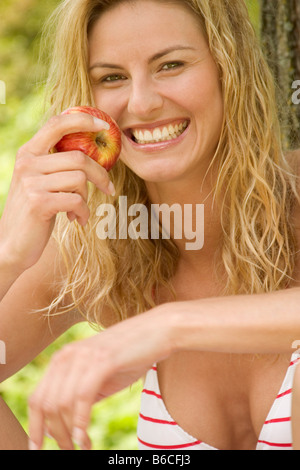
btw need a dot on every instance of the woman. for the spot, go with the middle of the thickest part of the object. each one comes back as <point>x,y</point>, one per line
<point>212,329</point>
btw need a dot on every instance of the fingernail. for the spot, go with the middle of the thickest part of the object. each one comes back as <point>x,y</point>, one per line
<point>77,436</point>
<point>111,189</point>
<point>101,123</point>
<point>32,445</point>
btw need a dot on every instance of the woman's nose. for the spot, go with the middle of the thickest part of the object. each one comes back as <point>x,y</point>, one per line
<point>144,100</point>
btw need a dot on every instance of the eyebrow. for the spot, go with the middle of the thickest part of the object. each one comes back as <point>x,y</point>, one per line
<point>153,58</point>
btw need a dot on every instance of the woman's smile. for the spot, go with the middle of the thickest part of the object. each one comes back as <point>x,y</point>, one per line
<point>157,135</point>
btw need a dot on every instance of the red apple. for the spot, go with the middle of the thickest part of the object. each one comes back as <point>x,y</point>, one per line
<point>104,146</point>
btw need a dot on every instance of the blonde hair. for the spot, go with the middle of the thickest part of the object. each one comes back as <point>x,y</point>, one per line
<point>258,249</point>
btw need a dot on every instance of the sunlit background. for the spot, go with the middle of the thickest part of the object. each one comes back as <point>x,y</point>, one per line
<point>21,21</point>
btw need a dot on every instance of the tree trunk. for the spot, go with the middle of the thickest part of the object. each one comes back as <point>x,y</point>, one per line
<point>280,36</point>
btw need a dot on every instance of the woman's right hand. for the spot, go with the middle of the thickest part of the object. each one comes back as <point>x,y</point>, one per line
<point>45,184</point>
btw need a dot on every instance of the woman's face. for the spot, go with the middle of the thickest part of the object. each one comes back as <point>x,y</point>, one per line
<point>152,71</point>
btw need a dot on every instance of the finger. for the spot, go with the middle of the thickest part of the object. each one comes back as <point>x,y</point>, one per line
<point>55,425</point>
<point>76,368</point>
<point>58,126</point>
<point>68,181</point>
<point>66,202</point>
<point>81,439</point>
<point>77,375</point>
<point>71,161</point>
<point>87,395</point>
<point>44,408</point>
<point>37,404</point>
<point>61,425</point>
<point>36,421</point>
<point>67,368</point>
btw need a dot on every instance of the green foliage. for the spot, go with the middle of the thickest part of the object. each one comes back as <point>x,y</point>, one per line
<point>254,12</point>
<point>23,75</point>
<point>114,420</point>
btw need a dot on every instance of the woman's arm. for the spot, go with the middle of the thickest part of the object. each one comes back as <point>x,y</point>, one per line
<point>12,435</point>
<point>8,275</point>
<point>261,323</point>
<point>26,334</point>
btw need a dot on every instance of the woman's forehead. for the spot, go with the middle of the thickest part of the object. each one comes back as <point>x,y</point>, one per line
<point>135,24</point>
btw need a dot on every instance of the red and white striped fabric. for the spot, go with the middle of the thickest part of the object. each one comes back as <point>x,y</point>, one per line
<point>158,431</point>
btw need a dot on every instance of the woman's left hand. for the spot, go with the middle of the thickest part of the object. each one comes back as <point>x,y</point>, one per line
<point>84,372</point>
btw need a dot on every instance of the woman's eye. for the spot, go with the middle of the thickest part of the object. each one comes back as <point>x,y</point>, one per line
<point>113,78</point>
<point>171,65</point>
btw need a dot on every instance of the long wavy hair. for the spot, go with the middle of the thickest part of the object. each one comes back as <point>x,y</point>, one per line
<point>258,246</point>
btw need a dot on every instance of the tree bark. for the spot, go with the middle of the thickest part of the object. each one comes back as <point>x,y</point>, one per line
<point>280,36</point>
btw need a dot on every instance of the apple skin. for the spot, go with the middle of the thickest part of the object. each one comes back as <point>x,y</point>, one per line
<point>104,146</point>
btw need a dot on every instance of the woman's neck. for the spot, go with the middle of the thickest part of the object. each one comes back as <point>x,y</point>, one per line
<point>194,216</point>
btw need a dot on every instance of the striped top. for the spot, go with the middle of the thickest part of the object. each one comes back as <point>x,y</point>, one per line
<point>157,429</point>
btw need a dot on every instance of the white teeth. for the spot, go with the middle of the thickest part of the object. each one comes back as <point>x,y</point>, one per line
<point>148,135</point>
<point>165,133</point>
<point>157,135</point>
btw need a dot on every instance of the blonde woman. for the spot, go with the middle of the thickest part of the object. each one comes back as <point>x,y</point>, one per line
<point>210,329</point>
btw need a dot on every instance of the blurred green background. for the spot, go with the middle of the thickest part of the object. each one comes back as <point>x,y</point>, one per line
<point>21,21</point>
